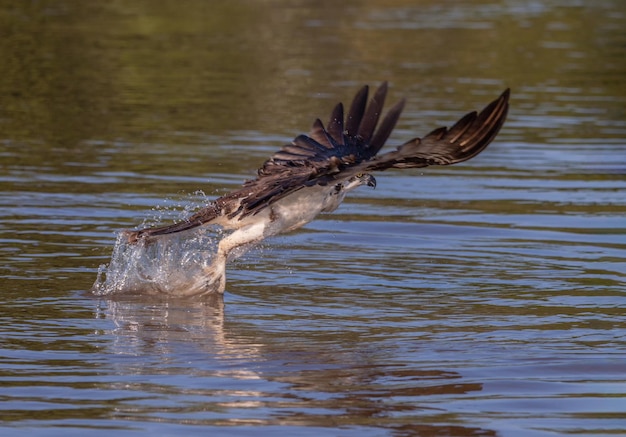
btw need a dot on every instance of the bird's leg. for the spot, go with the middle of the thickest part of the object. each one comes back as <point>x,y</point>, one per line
<point>238,239</point>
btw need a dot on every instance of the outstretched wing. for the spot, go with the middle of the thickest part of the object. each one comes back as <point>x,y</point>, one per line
<point>343,143</point>
<point>334,154</point>
<point>321,157</point>
<point>208,214</point>
<point>307,161</point>
<point>345,148</point>
<point>467,138</point>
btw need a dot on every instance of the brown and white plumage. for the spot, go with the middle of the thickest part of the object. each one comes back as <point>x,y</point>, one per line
<point>315,172</point>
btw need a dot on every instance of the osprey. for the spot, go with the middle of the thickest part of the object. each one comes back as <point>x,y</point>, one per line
<point>314,173</point>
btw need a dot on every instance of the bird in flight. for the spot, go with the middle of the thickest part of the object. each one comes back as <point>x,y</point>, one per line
<point>314,173</point>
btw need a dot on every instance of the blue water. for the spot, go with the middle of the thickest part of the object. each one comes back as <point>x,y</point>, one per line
<point>480,299</point>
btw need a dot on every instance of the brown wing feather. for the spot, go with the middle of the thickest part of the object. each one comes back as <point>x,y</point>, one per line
<point>328,151</point>
<point>348,147</point>
<point>208,214</point>
<point>324,154</point>
<point>467,138</point>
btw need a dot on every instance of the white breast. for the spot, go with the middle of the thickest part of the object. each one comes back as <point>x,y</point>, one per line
<point>301,207</point>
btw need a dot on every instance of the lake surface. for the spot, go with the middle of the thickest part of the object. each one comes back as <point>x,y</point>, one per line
<point>487,298</point>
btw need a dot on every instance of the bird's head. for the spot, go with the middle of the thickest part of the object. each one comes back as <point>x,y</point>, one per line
<point>358,180</point>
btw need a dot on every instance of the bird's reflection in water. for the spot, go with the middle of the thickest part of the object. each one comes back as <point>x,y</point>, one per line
<point>204,359</point>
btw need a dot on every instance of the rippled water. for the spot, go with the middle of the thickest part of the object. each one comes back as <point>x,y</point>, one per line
<point>481,299</point>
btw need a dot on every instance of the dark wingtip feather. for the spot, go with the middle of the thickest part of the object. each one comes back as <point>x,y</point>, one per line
<point>467,138</point>
<point>489,121</point>
<point>372,114</point>
<point>386,127</point>
<point>335,125</point>
<point>483,128</point>
<point>357,109</point>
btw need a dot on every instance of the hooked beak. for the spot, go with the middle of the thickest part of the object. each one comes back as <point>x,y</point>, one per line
<point>371,181</point>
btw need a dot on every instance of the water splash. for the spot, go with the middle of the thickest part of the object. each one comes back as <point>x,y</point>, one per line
<point>177,265</point>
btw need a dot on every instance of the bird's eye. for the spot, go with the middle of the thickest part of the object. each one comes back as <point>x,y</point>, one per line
<point>359,175</point>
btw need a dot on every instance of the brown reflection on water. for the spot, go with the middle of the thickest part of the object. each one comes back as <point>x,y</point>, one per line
<point>83,71</point>
<point>54,90</point>
<point>139,88</point>
<point>150,87</point>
